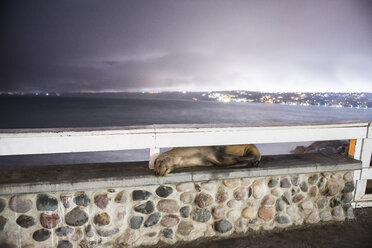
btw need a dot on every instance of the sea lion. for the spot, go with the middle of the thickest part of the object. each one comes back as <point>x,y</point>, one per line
<point>232,156</point>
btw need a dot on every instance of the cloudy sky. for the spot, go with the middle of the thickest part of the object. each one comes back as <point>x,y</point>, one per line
<point>287,45</point>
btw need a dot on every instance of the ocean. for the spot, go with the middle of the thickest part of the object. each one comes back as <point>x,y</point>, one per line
<point>105,111</point>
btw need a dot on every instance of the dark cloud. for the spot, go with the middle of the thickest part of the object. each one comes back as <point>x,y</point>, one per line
<point>194,45</point>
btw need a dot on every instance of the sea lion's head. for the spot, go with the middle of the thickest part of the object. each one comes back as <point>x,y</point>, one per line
<point>163,165</point>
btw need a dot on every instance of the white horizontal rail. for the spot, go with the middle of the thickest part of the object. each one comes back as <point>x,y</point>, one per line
<point>44,142</point>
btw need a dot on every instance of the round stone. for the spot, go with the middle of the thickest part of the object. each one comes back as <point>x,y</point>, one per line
<point>127,238</point>
<point>121,197</point>
<point>167,233</point>
<point>234,204</point>
<point>101,201</point>
<point>152,220</point>
<point>49,221</point>
<point>89,231</point>
<point>65,199</point>
<point>280,205</point>
<point>76,217</point>
<point>107,233</point>
<point>321,203</point>
<point>203,200</point>
<point>3,221</point>
<point>313,179</point>
<point>185,212</point>
<point>222,226</point>
<point>41,235</point>
<point>334,187</point>
<point>19,204</point>
<point>272,183</point>
<point>102,219</point>
<point>240,194</point>
<point>222,195</point>
<point>210,186</point>
<point>259,189</point>
<point>185,228</point>
<point>338,213</point>
<point>335,201</point>
<point>140,195</point>
<point>313,191</point>
<point>349,187</point>
<point>64,231</point>
<point>298,198</point>
<point>145,208</point>
<point>183,187</point>
<point>64,244</point>
<point>2,205</point>
<point>218,212</point>
<point>349,176</point>
<point>168,206</point>
<point>187,197</point>
<point>287,197</point>
<point>249,212</point>
<point>325,215</point>
<point>164,191</point>
<point>304,187</point>
<point>135,222</point>
<point>268,200</point>
<point>25,221</point>
<point>246,182</point>
<point>283,219</point>
<point>169,220</point>
<point>285,183</point>
<point>266,213</point>
<point>201,215</point>
<point>233,215</point>
<point>307,205</point>
<point>276,192</point>
<point>350,212</point>
<point>295,180</point>
<point>313,218</point>
<point>81,199</point>
<point>231,183</point>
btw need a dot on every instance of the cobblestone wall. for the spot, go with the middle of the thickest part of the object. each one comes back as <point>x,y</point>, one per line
<point>119,217</point>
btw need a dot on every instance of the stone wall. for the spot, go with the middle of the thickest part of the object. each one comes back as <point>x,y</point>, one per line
<point>119,217</point>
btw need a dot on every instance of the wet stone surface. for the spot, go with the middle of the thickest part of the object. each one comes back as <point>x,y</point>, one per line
<point>222,226</point>
<point>164,191</point>
<point>152,220</point>
<point>76,217</point>
<point>145,208</point>
<point>25,221</point>
<point>64,231</point>
<point>82,199</point>
<point>41,235</point>
<point>140,195</point>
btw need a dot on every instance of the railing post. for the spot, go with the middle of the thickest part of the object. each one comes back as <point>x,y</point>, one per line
<point>153,154</point>
<point>363,152</point>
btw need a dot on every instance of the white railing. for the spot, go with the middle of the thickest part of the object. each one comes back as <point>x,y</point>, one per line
<point>154,137</point>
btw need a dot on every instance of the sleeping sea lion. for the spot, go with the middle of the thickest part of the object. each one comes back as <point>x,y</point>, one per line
<point>232,156</point>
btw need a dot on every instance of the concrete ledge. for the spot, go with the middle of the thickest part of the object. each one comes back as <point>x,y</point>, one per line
<point>37,179</point>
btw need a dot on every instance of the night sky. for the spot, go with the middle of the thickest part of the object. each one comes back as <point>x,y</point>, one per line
<point>290,45</point>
